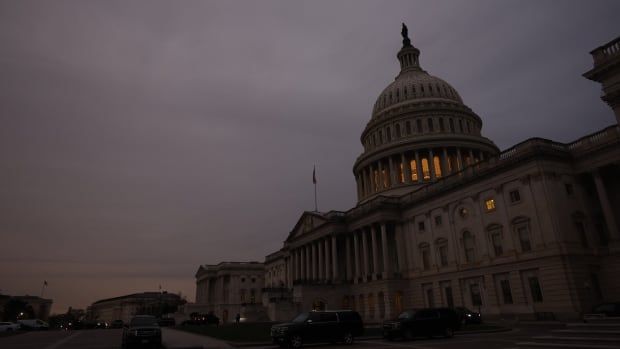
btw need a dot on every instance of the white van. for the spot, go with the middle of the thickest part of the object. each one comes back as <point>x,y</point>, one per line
<point>33,324</point>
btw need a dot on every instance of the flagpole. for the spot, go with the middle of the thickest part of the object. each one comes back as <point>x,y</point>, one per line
<point>43,288</point>
<point>316,207</point>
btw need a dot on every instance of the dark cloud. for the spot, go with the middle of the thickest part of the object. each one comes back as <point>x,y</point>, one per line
<point>145,138</point>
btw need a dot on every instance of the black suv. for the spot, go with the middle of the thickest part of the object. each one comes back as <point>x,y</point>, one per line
<point>467,316</point>
<point>142,330</point>
<point>424,322</point>
<point>319,326</point>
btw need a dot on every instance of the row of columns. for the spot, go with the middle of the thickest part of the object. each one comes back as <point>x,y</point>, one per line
<point>366,256</point>
<point>378,176</point>
<point>316,260</point>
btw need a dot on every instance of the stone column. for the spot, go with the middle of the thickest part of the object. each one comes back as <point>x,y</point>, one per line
<point>334,258</point>
<point>608,213</point>
<point>356,255</point>
<point>328,260</point>
<point>320,261</point>
<point>308,269</point>
<point>348,257</point>
<point>431,164</point>
<point>459,159</point>
<point>375,251</point>
<point>471,156</point>
<point>418,167</point>
<point>406,168</point>
<point>481,155</point>
<point>444,163</point>
<point>373,185</point>
<point>313,263</point>
<point>393,174</point>
<point>365,253</point>
<point>384,245</point>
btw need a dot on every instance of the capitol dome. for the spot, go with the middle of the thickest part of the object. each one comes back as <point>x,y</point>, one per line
<point>419,132</point>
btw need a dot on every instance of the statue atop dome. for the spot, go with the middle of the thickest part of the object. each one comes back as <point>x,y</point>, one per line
<point>405,33</point>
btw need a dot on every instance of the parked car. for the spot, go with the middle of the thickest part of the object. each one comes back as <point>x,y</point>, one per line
<point>117,324</point>
<point>467,316</point>
<point>9,327</point>
<point>424,322</point>
<point>319,326</point>
<point>603,311</point>
<point>142,330</point>
<point>33,325</point>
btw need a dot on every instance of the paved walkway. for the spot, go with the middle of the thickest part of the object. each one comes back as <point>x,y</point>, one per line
<point>175,339</point>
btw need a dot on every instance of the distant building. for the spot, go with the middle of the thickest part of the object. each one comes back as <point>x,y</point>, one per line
<point>228,289</point>
<point>444,218</point>
<point>41,307</point>
<point>125,307</point>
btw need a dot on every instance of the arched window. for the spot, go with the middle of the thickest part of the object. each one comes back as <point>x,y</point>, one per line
<point>430,125</point>
<point>442,251</point>
<point>451,125</point>
<point>468,246</point>
<point>437,165</point>
<point>495,237</point>
<point>419,125</point>
<point>521,227</point>
<point>461,126</point>
<point>388,134</point>
<point>441,125</point>
<point>426,169</point>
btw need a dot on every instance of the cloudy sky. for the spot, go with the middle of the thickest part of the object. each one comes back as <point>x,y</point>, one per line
<point>141,139</point>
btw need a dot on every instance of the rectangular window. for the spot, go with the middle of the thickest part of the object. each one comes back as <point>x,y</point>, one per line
<point>443,255</point>
<point>469,254</point>
<point>430,297</point>
<point>497,244</point>
<point>506,292</point>
<point>569,188</point>
<point>515,196</point>
<point>438,221</point>
<point>426,263</point>
<point>581,230</point>
<point>535,289</point>
<point>490,205</point>
<point>524,239</point>
<point>476,299</point>
<point>449,298</point>
<point>419,125</point>
<point>421,227</point>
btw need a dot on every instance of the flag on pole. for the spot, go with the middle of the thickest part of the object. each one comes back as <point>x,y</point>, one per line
<point>314,175</point>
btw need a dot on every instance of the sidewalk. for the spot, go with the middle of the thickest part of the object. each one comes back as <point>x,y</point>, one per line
<point>175,339</point>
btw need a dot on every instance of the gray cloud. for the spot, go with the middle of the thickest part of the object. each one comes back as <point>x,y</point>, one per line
<point>160,135</point>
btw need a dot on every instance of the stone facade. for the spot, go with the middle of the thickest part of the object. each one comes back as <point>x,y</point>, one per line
<point>446,219</point>
<point>231,288</point>
<point>126,307</point>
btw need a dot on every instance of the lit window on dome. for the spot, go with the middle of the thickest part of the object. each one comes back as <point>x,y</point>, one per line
<point>414,170</point>
<point>401,173</point>
<point>426,169</point>
<point>437,163</point>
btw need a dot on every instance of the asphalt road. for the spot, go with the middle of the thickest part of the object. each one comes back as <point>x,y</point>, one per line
<point>111,339</point>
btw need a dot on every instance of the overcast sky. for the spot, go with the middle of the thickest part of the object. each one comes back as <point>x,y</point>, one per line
<point>140,139</point>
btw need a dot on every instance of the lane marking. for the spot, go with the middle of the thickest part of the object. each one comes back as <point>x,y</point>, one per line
<point>63,341</point>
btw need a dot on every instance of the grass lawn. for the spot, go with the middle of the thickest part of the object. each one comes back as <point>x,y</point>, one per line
<point>243,332</point>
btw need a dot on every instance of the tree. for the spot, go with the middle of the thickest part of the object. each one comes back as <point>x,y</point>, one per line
<point>16,308</point>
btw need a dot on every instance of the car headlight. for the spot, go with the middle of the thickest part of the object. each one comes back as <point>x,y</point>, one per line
<point>468,315</point>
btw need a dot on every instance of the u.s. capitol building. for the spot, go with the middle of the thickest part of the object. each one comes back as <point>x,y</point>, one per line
<point>444,218</point>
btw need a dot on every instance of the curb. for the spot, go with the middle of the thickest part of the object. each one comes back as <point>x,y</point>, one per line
<point>459,333</point>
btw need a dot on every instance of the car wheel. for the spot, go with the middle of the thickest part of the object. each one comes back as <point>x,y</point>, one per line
<point>348,338</point>
<point>296,342</point>
<point>408,334</point>
<point>448,332</point>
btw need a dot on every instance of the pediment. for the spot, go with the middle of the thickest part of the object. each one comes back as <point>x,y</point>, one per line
<point>306,223</point>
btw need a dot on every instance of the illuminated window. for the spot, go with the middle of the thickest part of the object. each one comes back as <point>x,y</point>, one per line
<point>490,204</point>
<point>437,163</point>
<point>414,170</point>
<point>398,302</point>
<point>463,212</point>
<point>425,169</point>
<point>376,176</point>
<point>401,172</point>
